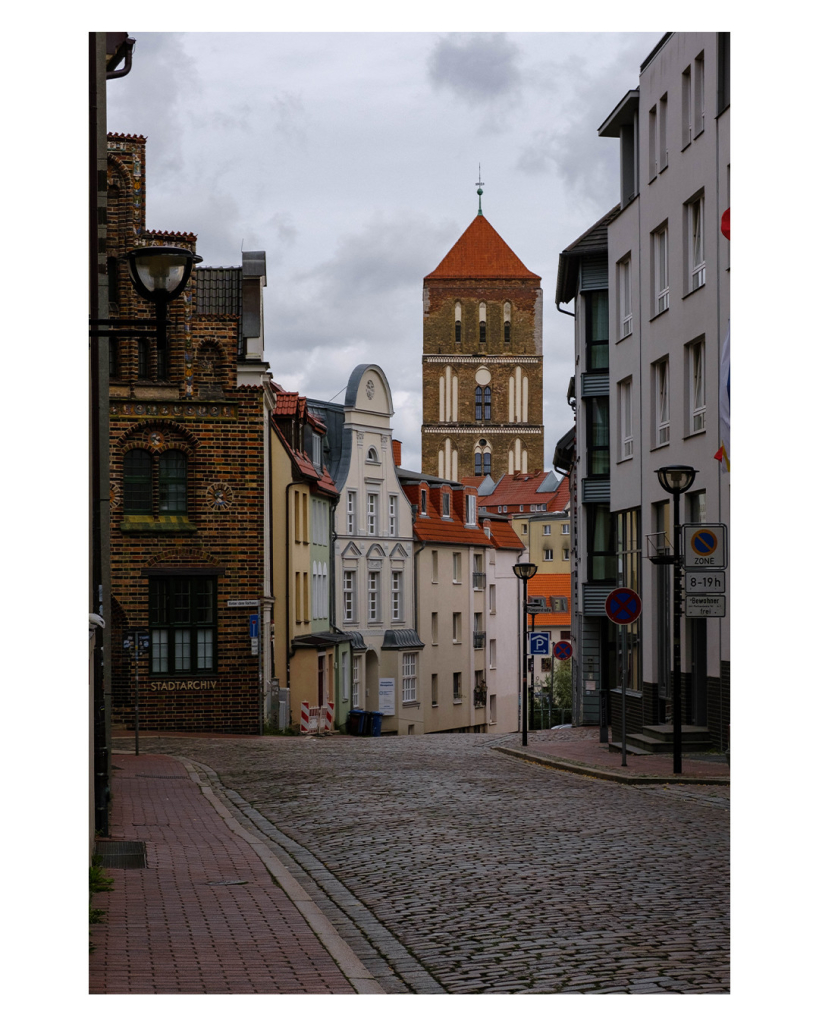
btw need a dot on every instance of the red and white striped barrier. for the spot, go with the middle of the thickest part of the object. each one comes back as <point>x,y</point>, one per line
<point>319,719</point>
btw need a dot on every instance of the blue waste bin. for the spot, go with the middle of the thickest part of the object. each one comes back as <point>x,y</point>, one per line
<point>367,723</point>
<point>376,716</point>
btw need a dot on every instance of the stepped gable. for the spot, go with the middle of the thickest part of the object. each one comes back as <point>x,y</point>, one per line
<point>480,252</point>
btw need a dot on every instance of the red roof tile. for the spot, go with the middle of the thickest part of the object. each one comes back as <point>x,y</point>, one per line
<point>519,489</point>
<point>561,497</point>
<point>480,252</point>
<point>502,534</point>
<point>557,584</point>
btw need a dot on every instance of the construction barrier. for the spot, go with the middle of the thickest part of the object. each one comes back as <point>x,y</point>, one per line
<point>314,720</point>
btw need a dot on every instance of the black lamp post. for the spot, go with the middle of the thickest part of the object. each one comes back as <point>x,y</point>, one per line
<point>525,571</point>
<point>159,273</point>
<point>676,480</point>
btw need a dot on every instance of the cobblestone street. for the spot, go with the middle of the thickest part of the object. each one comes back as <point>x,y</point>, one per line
<point>448,866</point>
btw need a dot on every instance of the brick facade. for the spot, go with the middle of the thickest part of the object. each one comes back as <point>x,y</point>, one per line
<point>198,412</point>
<point>499,357</point>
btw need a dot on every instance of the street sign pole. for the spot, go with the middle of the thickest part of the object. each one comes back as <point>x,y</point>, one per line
<point>136,699</point>
<point>623,676</point>
<point>676,682</point>
<point>552,689</point>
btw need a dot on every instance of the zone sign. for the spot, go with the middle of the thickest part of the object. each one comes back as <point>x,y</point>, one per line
<point>705,545</point>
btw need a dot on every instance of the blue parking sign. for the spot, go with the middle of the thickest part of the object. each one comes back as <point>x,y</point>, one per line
<point>254,626</point>
<point>540,643</point>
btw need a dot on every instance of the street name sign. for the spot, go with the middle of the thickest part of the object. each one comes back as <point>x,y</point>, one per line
<point>705,545</point>
<point>539,643</point>
<point>705,582</point>
<point>243,604</point>
<point>705,606</point>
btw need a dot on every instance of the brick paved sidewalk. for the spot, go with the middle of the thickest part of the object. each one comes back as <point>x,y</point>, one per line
<point>581,748</point>
<point>184,924</point>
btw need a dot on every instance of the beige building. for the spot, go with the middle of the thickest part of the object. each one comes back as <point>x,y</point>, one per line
<point>468,609</point>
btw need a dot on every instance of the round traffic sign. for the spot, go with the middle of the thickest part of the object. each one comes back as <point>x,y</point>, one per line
<point>704,542</point>
<point>562,650</point>
<point>623,606</point>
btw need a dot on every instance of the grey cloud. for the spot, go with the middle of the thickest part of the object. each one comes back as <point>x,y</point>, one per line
<point>479,68</point>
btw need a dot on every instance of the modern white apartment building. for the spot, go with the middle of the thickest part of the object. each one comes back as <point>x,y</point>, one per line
<point>648,385</point>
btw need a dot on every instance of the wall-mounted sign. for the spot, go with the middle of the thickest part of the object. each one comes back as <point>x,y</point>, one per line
<point>386,696</point>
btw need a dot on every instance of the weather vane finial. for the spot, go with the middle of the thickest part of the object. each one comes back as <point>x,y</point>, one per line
<point>479,183</point>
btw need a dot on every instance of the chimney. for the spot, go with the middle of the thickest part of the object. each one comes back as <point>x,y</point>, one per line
<point>396,452</point>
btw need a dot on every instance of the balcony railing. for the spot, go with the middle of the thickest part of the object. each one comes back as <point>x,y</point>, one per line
<point>478,640</point>
<point>479,696</point>
<point>478,580</point>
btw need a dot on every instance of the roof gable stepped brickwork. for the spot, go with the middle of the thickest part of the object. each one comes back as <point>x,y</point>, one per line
<point>481,253</point>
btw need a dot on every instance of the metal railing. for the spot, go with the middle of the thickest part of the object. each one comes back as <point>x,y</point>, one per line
<point>478,640</point>
<point>478,580</point>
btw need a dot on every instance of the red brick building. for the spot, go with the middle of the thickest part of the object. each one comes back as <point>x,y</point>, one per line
<point>188,482</point>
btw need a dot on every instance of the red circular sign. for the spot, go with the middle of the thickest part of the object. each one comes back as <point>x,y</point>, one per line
<point>623,606</point>
<point>562,650</point>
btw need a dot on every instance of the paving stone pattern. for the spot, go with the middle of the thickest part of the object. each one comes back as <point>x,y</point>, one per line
<point>448,866</point>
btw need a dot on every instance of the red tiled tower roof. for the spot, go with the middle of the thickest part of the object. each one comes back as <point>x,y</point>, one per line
<point>480,252</point>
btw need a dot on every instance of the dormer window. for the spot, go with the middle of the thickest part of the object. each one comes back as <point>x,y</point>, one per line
<point>445,504</point>
<point>372,455</point>
<point>423,502</point>
<point>317,450</point>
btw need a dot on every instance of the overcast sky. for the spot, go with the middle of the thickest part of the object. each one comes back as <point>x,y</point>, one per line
<point>352,158</point>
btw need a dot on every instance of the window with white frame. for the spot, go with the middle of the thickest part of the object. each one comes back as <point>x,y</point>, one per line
<point>397,595</point>
<point>456,566</point>
<point>373,596</point>
<point>559,604</point>
<point>471,510</point>
<point>547,529</point>
<point>695,215</point>
<point>662,130</point>
<point>349,595</point>
<point>423,502</point>
<point>457,692</point>
<point>662,413</point>
<point>659,268</point>
<point>445,504</point>
<point>492,599</point>
<point>624,296</point>
<point>699,95</point>
<point>456,627</point>
<point>548,555</point>
<point>372,514</point>
<point>409,677</point>
<point>345,675</point>
<point>687,108</point>
<point>356,694</point>
<point>317,450</point>
<point>393,523</point>
<point>696,385</point>
<point>372,455</point>
<point>434,689</point>
<point>565,527</point>
<point>352,509</point>
<point>626,420</point>
<point>434,566</point>
<point>565,554</point>
<point>493,653</point>
<point>653,143</point>
<point>434,627</point>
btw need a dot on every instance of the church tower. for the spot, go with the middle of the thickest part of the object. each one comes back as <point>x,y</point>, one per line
<point>482,361</point>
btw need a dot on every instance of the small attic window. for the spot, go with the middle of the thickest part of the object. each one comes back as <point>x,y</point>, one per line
<point>372,455</point>
<point>423,501</point>
<point>445,504</point>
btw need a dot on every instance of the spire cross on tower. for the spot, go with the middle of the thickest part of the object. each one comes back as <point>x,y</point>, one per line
<point>479,183</point>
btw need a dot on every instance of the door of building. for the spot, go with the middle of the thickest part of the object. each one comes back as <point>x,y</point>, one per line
<point>699,671</point>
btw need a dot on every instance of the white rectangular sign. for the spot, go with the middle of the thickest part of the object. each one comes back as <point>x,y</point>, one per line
<point>709,605</point>
<point>386,696</point>
<point>243,604</point>
<point>705,545</point>
<point>705,582</point>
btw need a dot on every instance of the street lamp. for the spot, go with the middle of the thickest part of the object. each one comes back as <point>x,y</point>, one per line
<point>159,273</point>
<point>525,571</point>
<point>676,480</point>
